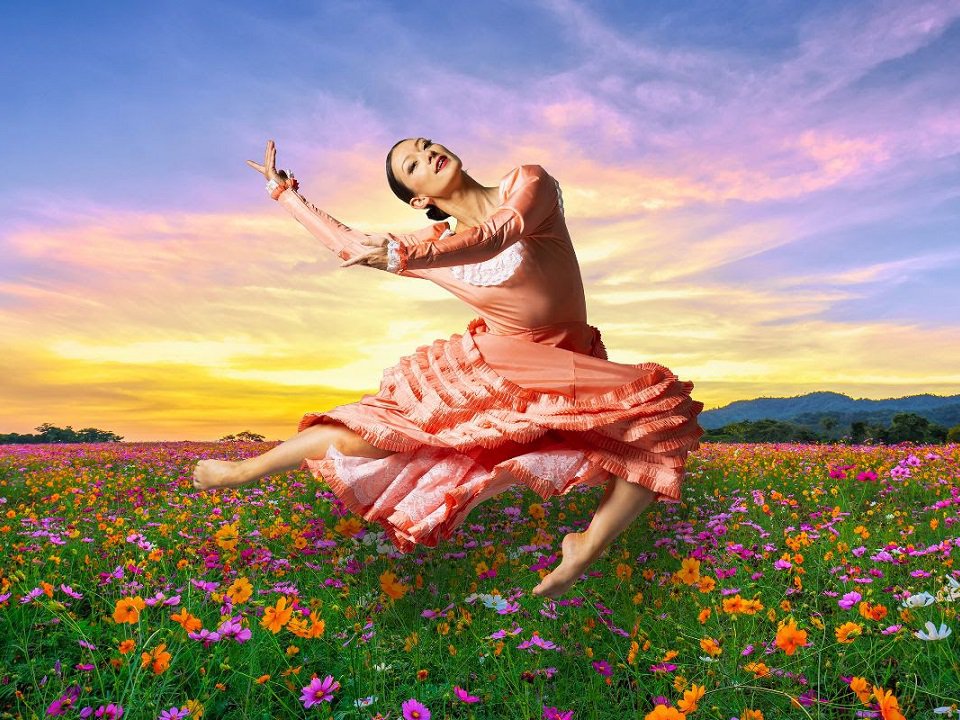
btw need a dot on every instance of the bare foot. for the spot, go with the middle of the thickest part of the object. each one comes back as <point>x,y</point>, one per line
<point>577,557</point>
<point>213,474</point>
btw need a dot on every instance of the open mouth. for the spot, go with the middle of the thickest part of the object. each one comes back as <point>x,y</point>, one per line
<point>441,162</point>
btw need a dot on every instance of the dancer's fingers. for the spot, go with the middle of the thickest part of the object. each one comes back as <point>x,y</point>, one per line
<point>259,168</point>
<point>355,260</point>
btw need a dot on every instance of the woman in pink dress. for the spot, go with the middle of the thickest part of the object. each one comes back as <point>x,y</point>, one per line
<point>525,394</point>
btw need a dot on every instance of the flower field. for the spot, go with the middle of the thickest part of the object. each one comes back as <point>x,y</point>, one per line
<point>791,581</point>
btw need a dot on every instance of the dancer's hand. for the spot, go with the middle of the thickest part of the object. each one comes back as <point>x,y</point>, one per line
<point>376,257</point>
<point>269,167</point>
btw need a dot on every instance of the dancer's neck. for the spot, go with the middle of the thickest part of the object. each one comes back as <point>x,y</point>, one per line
<point>471,203</point>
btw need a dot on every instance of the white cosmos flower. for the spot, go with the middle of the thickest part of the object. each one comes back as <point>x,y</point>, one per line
<point>948,710</point>
<point>954,587</point>
<point>920,600</point>
<point>932,632</point>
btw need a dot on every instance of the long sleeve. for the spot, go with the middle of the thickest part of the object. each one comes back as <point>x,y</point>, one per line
<point>342,240</point>
<point>530,198</point>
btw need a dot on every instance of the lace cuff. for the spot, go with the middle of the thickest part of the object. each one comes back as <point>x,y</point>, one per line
<point>275,189</point>
<point>396,256</point>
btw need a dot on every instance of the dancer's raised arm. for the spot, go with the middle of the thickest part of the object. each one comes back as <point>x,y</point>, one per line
<point>346,242</point>
<point>531,196</point>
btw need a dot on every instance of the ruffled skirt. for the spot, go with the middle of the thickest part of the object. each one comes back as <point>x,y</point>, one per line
<point>470,416</point>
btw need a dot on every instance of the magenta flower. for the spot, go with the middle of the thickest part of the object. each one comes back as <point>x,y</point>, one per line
<point>463,695</point>
<point>65,701</point>
<point>204,635</point>
<point>551,713</point>
<point>107,712</point>
<point>71,592</point>
<point>602,667</point>
<point>849,600</point>
<point>413,710</point>
<point>539,642</point>
<point>319,691</point>
<point>663,667</point>
<point>175,713</point>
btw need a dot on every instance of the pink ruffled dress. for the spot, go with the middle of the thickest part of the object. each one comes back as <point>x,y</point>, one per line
<point>525,394</point>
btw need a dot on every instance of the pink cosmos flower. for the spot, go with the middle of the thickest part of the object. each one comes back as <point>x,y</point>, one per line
<point>414,710</point>
<point>463,695</point>
<point>319,691</point>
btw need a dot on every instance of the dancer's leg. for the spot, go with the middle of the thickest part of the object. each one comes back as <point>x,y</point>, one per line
<point>311,442</point>
<point>622,502</point>
<point>620,506</point>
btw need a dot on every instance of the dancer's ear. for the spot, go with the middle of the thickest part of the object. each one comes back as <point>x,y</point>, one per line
<point>420,202</point>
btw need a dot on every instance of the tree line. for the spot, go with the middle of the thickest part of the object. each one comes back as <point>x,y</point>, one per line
<point>903,427</point>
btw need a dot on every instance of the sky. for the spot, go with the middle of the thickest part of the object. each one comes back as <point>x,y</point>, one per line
<point>763,196</point>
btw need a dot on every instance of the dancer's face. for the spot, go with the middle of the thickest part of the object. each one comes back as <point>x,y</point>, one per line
<point>429,169</point>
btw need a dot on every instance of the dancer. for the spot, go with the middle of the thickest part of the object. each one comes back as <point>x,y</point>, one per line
<point>525,394</point>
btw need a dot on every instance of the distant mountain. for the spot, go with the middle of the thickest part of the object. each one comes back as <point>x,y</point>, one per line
<point>807,409</point>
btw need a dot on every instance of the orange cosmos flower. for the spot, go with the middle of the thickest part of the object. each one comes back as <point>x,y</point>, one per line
<point>789,638</point>
<point>690,697</point>
<point>390,585</point>
<point>861,687</point>
<point>348,526</point>
<point>710,646</point>
<point>227,537</point>
<point>128,610</point>
<point>871,612</point>
<point>758,669</point>
<point>126,646</point>
<point>662,712</point>
<point>159,659</point>
<point>240,591</point>
<point>187,621</point>
<point>889,706</point>
<point>275,618</point>
<point>689,572</point>
<point>846,632</point>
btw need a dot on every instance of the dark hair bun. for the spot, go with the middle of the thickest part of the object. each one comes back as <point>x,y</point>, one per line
<point>435,213</point>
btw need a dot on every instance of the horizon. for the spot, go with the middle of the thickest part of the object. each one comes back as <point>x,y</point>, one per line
<point>762,198</point>
<point>705,410</point>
